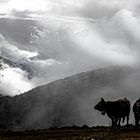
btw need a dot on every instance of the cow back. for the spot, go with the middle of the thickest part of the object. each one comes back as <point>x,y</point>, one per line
<point>136,108</point>
<point>125,107</point>
<point>118,108</point>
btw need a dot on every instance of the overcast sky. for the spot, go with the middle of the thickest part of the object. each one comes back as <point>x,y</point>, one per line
<point>58,38</point>
<point>115,31</point>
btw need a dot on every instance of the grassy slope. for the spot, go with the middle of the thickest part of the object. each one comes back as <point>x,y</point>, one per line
<point>48,106</point>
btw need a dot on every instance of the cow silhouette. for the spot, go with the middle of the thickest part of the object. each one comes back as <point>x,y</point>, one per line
<point>116,110</point>
<point>136,110</point>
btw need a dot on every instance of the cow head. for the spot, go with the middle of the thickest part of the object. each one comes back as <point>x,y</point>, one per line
<point>101,106</point>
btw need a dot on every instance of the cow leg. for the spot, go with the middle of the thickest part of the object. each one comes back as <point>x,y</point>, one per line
<point>112,126</point>
<point>136,121</point>
<point>119,121</point>
<point>115,124</point>
<point>127,120</point>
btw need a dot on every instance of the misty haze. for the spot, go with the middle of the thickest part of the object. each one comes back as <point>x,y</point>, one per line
<point>60,57</point>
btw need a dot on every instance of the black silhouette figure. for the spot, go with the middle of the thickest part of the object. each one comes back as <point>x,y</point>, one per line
<point>136,110</point>
<point>115,110</point>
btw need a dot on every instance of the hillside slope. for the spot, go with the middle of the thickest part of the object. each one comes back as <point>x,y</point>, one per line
<point>64,102</point>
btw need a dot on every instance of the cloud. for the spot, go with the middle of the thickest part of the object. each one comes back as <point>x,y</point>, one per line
<point>14,81</point>
<point>27,68</point>
<point>96,9</point>
<point>60,38</point>
<point>4,1</point>
<point>121,31</point>
<point>89,8</point>
<point>12,52</point>
<point>93,43</point>
<point>53,39</point>
<point>129,25</point>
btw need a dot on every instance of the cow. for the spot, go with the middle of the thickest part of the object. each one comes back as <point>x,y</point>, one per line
<point>116,110</point>
<point>136,110</point>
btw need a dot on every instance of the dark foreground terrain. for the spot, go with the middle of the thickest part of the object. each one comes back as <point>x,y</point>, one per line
<point>73,133</point>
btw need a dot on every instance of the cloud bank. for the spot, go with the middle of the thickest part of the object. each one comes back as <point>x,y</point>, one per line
<point>45,40</point>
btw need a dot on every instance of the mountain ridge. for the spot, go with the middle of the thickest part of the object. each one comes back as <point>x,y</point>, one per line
<point>64,102</point>
<point>78,75</point>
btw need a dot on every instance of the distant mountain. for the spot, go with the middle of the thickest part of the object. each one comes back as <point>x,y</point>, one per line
<point>64,102</point>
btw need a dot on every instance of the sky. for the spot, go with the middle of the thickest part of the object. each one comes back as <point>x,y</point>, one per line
<point>51,39</point>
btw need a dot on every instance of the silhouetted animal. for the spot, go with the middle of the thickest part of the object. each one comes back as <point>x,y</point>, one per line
<point>136,110</point>
<point>126,110</point>
<point>115,110</point>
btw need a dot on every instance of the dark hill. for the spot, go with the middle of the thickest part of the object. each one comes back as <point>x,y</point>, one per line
<point>64,102</point>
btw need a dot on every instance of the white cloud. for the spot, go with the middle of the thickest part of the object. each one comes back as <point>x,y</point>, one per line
<point>129,24</point>
<point>12,52</point>
<point>14,81</point>
<point>48,62</point>
<point>22,64</point>
<point>66,6</point>
<point>31,5</point>
<point>93,43</point>
<point>73,36</point>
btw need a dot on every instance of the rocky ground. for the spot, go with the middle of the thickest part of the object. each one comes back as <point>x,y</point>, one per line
<point>73,133</point>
